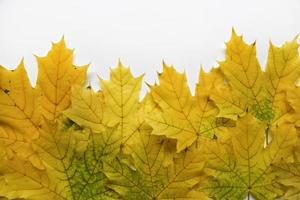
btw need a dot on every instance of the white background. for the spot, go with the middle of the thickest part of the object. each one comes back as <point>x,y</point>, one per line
<point>141,33</point>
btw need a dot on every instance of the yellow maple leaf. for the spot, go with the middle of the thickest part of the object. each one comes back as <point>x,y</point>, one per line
<point>262,93</point>
<point>182,116</point>
<point>22,106</point>
<point>241,166</point>
<point>121,96</point>
<point>56,75</point>
<point>117,103</point>
<point>73,160</point>
<point>288,175</point>
<point>56,149</point>
<point>246,80</point>
<point>19,113</point>
<point>243,70</point>
<point>148,178</point>
<point>227,99</point>
<point>87,108</point>
<point>282,72</point>
<point>19,102</point>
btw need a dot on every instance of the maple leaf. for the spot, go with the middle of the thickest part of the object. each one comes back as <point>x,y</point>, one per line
<point>241,166</point>
<point>87,109</point>
<point>121,94</point>
<point>282,72</point>
<point>117,103</point>
<point>288,175</point>
<point>230,103</point>
<point>148,178</point>
<point>182,116</point>
<point>18,101</point>
<point>288,172</point>
<point>57,149</point>
<point>19,112</point>
<point>262,93</point>
<point>292,97</point>
<point>73,161</point>
<point>245,76</point>
<point>151,168</point>
<point>22,106</point>
<point>56,75</point>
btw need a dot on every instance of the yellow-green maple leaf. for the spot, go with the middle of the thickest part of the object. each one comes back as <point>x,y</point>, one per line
<point>282,68</point>
<point>73,160</point>
<point>242,68</point>
<point>243,72</point>
<point>182,116</point>
<point>288,175</point>
<point>262,93</point>
<point>241,166</point>
<point>117,103</point>
<point>289,172</point>
<point>56,149</point>
<point>149,178</point>
<point>282,72</point>
<point>293,97</point>
<point>87,108</point>
<point>121,96</point>
<point>225,97</point>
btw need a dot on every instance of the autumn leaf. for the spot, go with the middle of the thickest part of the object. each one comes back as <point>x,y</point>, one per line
<point>182,116</point>
<point>74,166</point>
<point>282,72</point>
<point>87,108</point>
<point>288,175</point>
<point>246,78</point>
<point>152,169</point>
<point>293,96</point>
<point>19,113</point>
<point>121,96</point>
<point>117,103</point>
<point>262,93</point>
<point>241,166</point>
<point>56,75</point>
<point>288,172</point>
<point>22,106</point>
<point>19,102</point>
<point>57,150</point>
<point>148,178</point>
<point>225,97</point>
